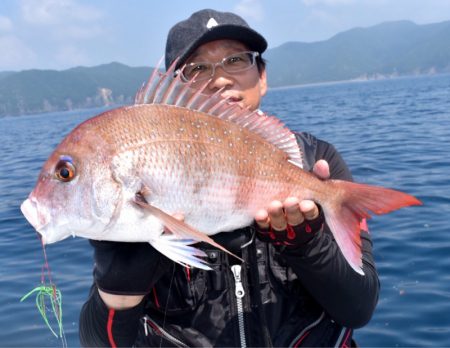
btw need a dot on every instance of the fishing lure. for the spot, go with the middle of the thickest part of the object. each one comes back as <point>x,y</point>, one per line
<point>45,292</point>
<point>54,295</point>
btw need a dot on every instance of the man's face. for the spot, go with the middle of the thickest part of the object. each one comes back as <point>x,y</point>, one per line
<point>245,87</point>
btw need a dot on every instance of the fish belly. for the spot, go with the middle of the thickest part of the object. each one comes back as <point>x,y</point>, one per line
<point>218,202</point>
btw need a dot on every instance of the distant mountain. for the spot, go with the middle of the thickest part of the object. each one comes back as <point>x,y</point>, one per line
<point>386,50</point>
<point>5,73</point>
<point>35,91</point>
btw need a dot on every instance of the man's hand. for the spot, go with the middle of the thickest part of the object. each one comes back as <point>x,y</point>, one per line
<point>281,219</point>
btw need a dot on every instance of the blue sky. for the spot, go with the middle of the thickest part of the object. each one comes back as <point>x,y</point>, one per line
<point>59,34</point>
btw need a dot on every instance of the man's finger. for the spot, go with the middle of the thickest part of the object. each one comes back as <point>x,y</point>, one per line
<point>322,169</point>
<point>262,219</point>
<point>292,211</point>
<point>276,216</point>
<point>309,209</point>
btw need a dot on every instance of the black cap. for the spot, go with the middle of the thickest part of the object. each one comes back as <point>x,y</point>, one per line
<point>205,26</point>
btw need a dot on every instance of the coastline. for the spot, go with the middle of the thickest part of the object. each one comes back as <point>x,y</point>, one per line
<point>376,78</point>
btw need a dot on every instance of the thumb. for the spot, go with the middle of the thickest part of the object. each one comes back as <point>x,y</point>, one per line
<point>322,169</point>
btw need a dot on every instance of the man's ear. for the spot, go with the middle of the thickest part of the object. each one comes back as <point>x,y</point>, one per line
<point>263,82</point>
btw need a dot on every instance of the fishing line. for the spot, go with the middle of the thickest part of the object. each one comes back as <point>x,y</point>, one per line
<point>49,291</point>
<point>167,302</point>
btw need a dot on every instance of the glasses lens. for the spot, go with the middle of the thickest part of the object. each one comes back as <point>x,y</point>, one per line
<point>199,71</point>
<point>239,61</point>
<point>234,63</point>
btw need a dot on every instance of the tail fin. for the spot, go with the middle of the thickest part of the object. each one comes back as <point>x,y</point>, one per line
<point>354,203</point>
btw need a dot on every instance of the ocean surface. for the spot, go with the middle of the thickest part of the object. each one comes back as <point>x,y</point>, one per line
<point>394,133</point>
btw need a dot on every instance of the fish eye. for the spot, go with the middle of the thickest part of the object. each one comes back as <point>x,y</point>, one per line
<point>65,170</point>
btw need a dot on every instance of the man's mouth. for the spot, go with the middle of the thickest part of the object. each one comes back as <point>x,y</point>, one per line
<point>235,100</point>
<point>232,98</point>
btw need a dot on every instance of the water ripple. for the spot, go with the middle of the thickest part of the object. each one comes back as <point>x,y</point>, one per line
<point>393,133</point>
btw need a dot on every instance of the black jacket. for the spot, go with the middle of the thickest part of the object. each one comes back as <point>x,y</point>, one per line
<point>308,296</point>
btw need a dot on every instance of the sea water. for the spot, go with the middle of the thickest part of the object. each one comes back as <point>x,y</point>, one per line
<point>394,133</point>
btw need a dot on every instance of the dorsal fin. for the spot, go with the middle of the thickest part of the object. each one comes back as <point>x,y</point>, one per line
<point>168,89</point>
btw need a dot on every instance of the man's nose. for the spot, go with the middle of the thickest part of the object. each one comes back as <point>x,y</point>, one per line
<point>220,79</point>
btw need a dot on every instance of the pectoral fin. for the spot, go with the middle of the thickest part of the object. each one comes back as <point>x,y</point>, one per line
<point>177,248</point>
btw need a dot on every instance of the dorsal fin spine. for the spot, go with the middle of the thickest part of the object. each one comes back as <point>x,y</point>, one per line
<point>171,92</point>
<point>196,97</point>
<point>169,89</point>
<point>162,89</point>
<point>217,106</point>
<point>151,84</point>
<point>183,94</point>
<point>208,103</point>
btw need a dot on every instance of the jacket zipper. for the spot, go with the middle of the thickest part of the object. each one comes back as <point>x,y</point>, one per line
<point>239,293</point>
<point>150,324</point>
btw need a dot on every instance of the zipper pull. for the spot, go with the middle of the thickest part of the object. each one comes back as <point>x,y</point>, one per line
<point>236,269</point>
<point>145,326</point>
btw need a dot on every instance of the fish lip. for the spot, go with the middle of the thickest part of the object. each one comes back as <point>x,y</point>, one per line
<point>45,240</point>
<point>38,219</point>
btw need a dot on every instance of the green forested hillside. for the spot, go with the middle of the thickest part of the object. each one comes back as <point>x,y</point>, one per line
<point>34,91</point>
<point>385,50</point>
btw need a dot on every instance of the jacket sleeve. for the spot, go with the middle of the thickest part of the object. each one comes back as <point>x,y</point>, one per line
<point>121,269</point>
<point>103,327</point>
<point>346,296</point>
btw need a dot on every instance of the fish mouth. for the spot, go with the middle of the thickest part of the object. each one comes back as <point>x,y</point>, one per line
<point>38,218</point>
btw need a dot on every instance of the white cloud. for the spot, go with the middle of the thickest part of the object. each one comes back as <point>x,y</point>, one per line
<point>50,12</point>
<point>319,17</point>
<point>50,33</point>
<point>328,2</point>
<point>70,55</point>
<point>5,24</point>
<point>351,4</point>
<point>78,32</point>
<point>250,9</point>
<point>63,20</point>
<point>15,55</point>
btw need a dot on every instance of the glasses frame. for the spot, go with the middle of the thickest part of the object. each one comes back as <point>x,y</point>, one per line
<point>180,71</point>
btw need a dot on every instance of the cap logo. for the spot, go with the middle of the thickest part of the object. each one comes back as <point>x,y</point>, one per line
<point>212,23</point>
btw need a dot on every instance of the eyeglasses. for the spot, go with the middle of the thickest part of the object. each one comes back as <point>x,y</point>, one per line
<point>232,64</point>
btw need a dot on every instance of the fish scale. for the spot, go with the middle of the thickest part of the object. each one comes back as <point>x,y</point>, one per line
<point>210,171</point>
<point>126,171</point>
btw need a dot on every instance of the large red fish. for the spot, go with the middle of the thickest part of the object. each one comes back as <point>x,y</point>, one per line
<point>121,175</point>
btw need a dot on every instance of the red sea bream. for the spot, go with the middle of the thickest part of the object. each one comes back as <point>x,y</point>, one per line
<point>121,175</point>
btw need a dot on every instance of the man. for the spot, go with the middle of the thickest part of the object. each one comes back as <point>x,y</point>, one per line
<point>295,287</point>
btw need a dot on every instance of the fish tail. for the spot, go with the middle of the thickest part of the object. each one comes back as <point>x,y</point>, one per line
<point>353,203</point>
